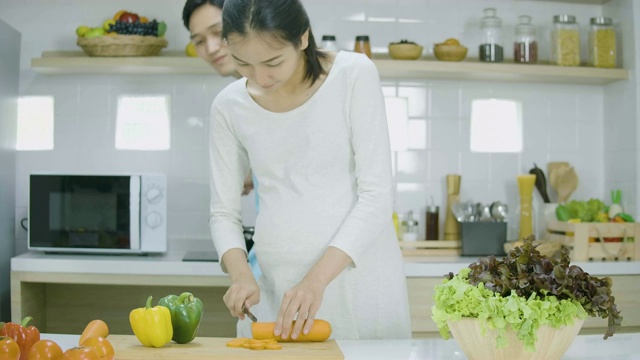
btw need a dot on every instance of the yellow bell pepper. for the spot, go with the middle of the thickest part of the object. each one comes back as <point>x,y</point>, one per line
<point>152,326</point>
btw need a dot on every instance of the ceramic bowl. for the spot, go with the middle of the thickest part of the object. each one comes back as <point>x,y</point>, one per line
<point>449,52</point>
<point>405,51</point>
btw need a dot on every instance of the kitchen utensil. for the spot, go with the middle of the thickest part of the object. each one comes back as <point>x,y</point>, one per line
<point>485,213</point>
<point>249,314</point>
<point>541,182</point>
<point>499,211</point>
<point>214,348</point>
<point>451,226</point>
<point>551,166</point>
<point>567,184</point>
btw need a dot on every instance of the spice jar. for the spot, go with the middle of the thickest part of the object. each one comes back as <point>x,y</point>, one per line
<point>565,41</point>
<point>431,223</point>
<point>362,45</point>
<point>602,43</point>
<point>491,49</point>
<point>329,43</point>
<point>525,47</point>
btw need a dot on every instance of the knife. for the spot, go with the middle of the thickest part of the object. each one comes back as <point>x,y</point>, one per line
<point>249,314</point>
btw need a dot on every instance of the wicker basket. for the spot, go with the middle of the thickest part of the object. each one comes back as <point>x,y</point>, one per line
<point>122,45</point>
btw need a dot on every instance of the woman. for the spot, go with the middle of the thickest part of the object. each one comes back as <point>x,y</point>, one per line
<point>312,125</point>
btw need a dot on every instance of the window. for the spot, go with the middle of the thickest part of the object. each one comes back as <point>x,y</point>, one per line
<point>35,123</point>
<point>143,123</point>
<point>496,126</point>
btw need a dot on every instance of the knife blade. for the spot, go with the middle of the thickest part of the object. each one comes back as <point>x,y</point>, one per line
<point>249,314</point>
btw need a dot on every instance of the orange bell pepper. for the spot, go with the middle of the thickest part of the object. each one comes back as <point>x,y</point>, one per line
<point>23,335</point>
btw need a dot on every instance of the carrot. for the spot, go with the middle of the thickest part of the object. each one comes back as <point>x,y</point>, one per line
<point>94,328</point>
<point>320,331</point>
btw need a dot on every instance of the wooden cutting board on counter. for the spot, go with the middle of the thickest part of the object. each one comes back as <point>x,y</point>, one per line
<point>127,347</point>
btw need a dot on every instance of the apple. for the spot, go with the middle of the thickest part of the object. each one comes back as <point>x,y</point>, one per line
<point>128,17</point>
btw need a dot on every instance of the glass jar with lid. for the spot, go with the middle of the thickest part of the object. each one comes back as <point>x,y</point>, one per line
<point>362,45</point>
<point>602,43</point>
<point>329,43</point>
<point>491,48</point>
<point>565,41</point>
<point>525,47</point>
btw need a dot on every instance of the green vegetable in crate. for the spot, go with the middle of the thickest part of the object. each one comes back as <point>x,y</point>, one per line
<point>586,211</point>
<point>186,313</point>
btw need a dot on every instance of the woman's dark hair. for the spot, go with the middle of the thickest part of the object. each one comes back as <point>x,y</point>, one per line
<point>191,5</point>
<point>285,20</point>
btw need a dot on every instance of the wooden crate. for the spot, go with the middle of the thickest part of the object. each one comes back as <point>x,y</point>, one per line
<point>585,240</point>
<point>430,248</point>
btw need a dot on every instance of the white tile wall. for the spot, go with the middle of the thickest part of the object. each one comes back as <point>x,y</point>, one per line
<point>560,122</point>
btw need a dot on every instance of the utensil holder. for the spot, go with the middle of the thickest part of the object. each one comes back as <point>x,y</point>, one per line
<point>483,238</point>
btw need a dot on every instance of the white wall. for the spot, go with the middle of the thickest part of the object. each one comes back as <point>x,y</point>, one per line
<point>561,122</point>
<point>9,59</point>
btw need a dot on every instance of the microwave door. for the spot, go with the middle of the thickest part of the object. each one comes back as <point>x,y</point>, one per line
<point>134,213</point>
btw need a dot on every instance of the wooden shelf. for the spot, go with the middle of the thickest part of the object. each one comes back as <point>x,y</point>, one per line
<point>74,62</point>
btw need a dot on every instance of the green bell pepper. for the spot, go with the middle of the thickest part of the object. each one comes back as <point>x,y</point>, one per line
<point>186,312</point>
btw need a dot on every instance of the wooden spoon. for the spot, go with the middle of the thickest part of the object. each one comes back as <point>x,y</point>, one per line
<point>567,184</point>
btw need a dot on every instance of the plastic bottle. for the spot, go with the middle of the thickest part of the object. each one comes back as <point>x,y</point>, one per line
<point>491,48</point>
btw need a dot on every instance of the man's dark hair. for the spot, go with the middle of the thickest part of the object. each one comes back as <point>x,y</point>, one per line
<point>191,5</point>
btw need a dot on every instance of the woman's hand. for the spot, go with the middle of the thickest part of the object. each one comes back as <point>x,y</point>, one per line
<point>243,292</point>
<point>303,299</point>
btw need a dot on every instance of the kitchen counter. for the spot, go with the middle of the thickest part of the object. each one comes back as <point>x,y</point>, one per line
<point>172,264</point>
<point>45,286</point>
<point>584,347</point>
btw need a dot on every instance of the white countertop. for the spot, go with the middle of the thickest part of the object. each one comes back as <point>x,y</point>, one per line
<point>584,347</point>
<point>171,264</point>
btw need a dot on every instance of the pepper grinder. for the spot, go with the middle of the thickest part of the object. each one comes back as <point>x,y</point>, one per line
<point>525,187</point>
<point>451,226</point>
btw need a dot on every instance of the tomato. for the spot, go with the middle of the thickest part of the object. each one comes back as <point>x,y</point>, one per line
<point>45,350</point>
<point>81,353</point>
<point>9,349</point>
<point>101,345</point>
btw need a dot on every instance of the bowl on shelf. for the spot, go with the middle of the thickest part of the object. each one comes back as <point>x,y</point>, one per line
<point>122,45</point>
<point>445,52</point>
<point>405,50</point>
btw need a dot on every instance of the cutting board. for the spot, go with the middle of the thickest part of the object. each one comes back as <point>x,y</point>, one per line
<point>127,347</point>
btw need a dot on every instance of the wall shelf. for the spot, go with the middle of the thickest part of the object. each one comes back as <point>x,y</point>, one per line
<point>75,62</point>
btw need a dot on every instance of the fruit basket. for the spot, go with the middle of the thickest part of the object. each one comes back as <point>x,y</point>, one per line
<point>122,45</point>
<point>125,34</point>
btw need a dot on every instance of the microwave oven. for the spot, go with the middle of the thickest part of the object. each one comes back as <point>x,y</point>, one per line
<point>100,214</point>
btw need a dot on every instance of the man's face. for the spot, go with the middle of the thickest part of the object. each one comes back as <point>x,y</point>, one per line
<point>205,26</point>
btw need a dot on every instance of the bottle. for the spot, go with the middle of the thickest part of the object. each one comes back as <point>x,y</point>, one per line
<point>565,41</point>
<point>526,184</point>
<point>329,43</point>
<point>432,222</point>
<point>525,48</point>
<point>491,49</point>
<point>410,232</point>
<point>396,224</point>
<point>602,43</point>
<point>362,45</point>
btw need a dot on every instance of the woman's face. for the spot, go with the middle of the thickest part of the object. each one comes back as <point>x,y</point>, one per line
<point>265,61</point>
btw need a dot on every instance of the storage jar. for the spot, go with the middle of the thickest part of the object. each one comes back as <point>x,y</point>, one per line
<point>491,48</point>
<point>525,47</point>
<point>602,43</point>
<point>565,41</point>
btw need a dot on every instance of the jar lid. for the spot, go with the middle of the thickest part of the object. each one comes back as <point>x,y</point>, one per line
<point>328,38</point>
<point>565,19</point>
<point>490,18</point>
<point>362,38</point>
<point>524,26</point>
<point>601,21</point>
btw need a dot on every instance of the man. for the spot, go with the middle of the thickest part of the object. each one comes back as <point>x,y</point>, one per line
<point>203,19</point>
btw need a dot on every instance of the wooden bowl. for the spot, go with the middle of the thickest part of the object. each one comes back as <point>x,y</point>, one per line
<point>405,51</point>
<point>551,344</point>
<point>449,52</point>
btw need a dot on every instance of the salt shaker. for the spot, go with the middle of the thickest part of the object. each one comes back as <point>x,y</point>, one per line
<point>362,45</point>
<point>410,228</point>
<point>329,43</point>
